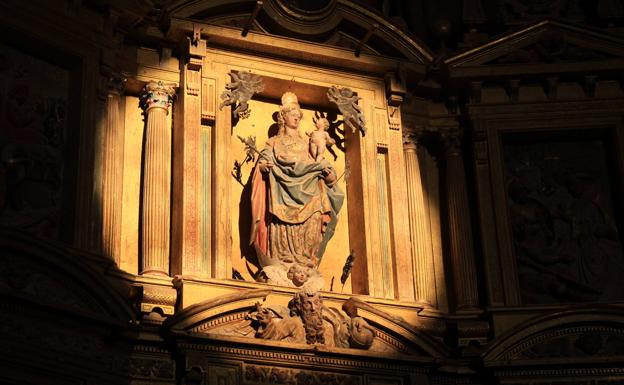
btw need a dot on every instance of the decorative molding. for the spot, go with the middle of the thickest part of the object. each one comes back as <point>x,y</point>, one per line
<point>328,20</point>
<point>394,118</point>
<point>578,327</point>
<point>316,360</point>
<point>472,331</point>
<point>145,367</point>
<point>256,374</point>
<point>216,322</point>
<point>561,372</point>
<point>395,88</point>
<point>193,80</point>
<point>209,100</point>
<point>501,46</point>
<point>155,299</point>
<point>579,332</point>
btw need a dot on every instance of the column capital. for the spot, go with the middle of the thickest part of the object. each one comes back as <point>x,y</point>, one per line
<point>116,84</point>
<point>157,95</point>
<point>451,139</point>
<point>412,138</point>
<point>111,83</point>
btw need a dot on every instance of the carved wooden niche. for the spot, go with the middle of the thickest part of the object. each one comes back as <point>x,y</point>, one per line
<point>253,131</point>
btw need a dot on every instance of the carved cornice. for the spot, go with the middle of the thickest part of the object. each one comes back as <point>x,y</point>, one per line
<point>315,357</point>
<point>492,59</point>
<point>312,25</point>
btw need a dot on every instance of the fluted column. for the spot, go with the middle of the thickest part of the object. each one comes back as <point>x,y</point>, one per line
<point>460,230</point>
<point>419,226</point>
<point>111,165</point>
<point>155,101</point>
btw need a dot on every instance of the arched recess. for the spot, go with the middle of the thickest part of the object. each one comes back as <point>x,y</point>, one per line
<point>46,275</point>
<point>582,344</point>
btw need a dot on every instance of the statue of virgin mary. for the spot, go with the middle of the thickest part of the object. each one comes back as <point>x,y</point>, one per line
<point>295,201</point>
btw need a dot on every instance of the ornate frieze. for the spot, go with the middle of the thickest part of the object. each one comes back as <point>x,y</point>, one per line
<point>146,368</point>
<point>256,374</point>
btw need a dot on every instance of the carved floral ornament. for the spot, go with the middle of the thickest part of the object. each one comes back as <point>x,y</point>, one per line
<point>157,95</point>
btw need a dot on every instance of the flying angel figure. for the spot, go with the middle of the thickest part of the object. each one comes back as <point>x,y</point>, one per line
<point>347,104</point>
<point>241,89</point>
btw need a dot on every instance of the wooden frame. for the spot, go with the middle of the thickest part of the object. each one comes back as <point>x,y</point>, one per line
<point>77,64</point>
<point>491,123</point>
<point>314,81</point>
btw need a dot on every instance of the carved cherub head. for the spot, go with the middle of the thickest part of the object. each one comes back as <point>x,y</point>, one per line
<point>322,124</point>
<point>298,274</point>
<point>346,92</point>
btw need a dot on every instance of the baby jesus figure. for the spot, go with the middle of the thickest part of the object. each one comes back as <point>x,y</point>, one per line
<point>319,139</point>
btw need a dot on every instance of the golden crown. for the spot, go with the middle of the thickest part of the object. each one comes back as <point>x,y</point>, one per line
<point>289,98</point>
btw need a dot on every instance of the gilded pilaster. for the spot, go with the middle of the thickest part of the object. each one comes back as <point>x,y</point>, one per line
<point>186,248</point>
<point>155,230</point>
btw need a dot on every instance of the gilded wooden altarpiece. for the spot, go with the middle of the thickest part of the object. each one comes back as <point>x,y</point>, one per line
<point>107,311</point>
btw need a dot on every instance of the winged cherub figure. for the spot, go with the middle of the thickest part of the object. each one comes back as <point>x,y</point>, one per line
<point>347,104</point>
<point>241,89</point>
